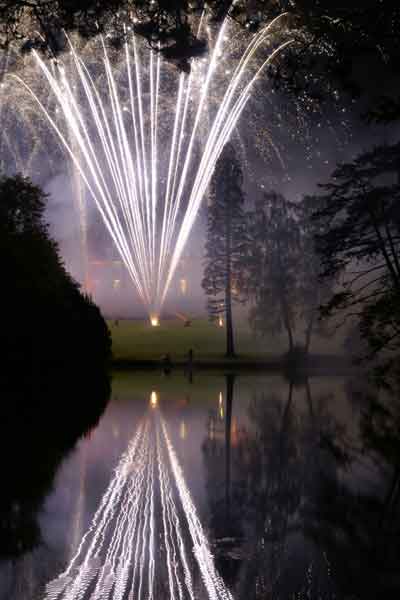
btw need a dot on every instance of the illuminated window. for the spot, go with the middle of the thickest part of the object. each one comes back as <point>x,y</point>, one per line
<point>183,286</point>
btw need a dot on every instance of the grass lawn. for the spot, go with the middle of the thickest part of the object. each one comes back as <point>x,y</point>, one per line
<point>137,340</point>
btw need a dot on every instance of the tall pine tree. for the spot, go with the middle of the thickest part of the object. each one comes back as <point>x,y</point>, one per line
<point>226,240</point>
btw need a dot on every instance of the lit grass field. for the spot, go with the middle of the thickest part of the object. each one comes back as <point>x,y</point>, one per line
<point>134,340</point>
<point>137,340</point>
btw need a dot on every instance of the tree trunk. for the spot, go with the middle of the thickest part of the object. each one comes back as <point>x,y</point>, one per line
<point>288,406</point>
<point>286,320</point>
<point>309,400</point>
<point>290,337</point>
<point>230,345</point>
<point>283,431</point>
<point>309,330</point>
<point>230,381</point>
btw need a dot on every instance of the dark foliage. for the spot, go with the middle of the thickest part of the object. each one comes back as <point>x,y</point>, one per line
<point>331,38</point>
<point>385,111</point>
<point>47,323</point>
<point>41,24</point>
<point>312,291</point>
<point>226,240</point>
<point>272,263</point>
<point>282,273</point>
<point>358,216</point>
<point>53,377</point>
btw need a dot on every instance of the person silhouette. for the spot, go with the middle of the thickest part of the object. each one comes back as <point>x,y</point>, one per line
<point>167,364</point>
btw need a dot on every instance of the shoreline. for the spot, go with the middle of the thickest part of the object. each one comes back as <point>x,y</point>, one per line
<point>315,364</point>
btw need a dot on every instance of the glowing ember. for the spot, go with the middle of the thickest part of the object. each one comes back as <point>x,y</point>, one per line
<point>154,399</point>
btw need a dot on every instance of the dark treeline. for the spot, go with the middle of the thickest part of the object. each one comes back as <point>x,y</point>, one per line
<point>332,254</point>
<point>48,324</point>
<point>53,373</point>
<point>357,233</point>
<point>264,256</point>
<point>332,39</point>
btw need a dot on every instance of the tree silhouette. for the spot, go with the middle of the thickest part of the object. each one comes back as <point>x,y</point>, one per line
<point>359,241</point>
<point>272,265</point>
<point>330,37</point>
<point>312,291</point>
<point>49,322</point>
<point>226,240</point>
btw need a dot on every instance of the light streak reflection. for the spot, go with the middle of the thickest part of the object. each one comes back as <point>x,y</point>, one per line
<point>146,535</point>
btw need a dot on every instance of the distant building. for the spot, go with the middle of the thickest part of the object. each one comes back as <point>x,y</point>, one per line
<point>112,288</point>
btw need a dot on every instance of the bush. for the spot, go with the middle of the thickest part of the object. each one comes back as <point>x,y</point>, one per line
<point>47,322</point>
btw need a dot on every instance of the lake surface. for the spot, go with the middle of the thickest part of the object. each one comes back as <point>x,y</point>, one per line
<point>223,487</point>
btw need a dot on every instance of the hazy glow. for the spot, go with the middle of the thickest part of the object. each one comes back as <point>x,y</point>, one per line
<point>153,399</point>
<point>183,286</point>
<point>147,189</point>
<point>145,532</point>
<point>154,321</point>
<point>221,405</point>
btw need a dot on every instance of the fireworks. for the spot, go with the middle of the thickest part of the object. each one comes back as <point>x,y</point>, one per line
<point>27,145</point>
<point>147,169</point>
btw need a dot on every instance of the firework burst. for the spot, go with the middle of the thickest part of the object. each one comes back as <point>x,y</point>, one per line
<point>145,139</point>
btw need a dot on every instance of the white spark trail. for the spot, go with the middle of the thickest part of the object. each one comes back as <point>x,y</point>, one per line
<point>147,499</point>
<point>118,148</point>
<point>215,587</point>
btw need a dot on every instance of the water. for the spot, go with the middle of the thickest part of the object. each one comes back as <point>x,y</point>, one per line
<point>227,486</point>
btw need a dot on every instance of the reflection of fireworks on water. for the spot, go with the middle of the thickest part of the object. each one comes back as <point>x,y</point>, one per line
<point>147,185</point>
<point>153,399</point>
<point>145,540</point>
